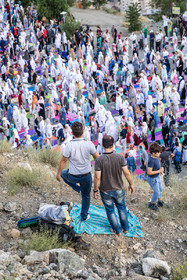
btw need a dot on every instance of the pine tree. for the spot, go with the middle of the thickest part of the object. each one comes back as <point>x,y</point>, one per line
<point>98,3</point>
<point>51,8</point>
<point>133,17</point>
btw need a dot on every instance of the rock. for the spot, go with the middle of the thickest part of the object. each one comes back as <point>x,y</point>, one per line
<point>26,232</point>
<point>6,258</point>
<point>1,206</point>
<point>149,254</point>
<point>15,233</point>
<point>163,278</point>
<point>66,259</point>
<point>135,276</point>
<point>166,242</point>
<point>37,257</point>
<point>137,246</point>
<point>134,200</point>
<point>10,206</point>
<point>179,240</point>
<point>155,267</point>
<point>25,166</point>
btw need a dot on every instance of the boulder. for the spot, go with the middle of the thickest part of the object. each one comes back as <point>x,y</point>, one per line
<point>155,267</point>
<point>15,233</point>
<point>37,257</point>
<point>10,206</point>
<point>25,166</point>
<point>6,258</point>
<point>66,259</point>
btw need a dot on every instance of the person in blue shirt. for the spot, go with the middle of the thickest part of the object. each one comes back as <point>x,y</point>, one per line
<point>154,171</point>
<point>131,163</point>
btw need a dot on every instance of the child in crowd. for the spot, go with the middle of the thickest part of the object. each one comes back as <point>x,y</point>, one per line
<point>154,171</point>
<point>130,162</point>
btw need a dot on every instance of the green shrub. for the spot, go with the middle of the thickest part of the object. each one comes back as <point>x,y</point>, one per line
<point>70,25</point>
<point>85,4</point>
<point>179,272</point>
<point>48,156</point>
<point>45,240</point>
<point>18,178</point>
<point>5,147</point>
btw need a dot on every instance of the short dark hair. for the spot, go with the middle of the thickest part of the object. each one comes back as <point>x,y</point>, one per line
<point>77,129</point>
<point>107,141</point>
<point>155,148</point>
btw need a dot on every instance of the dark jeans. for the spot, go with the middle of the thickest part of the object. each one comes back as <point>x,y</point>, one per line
<point>84,188</point>
<point>153,135</point>
<point>118,198</point>
<point>165,165</point>
<point>166,30</point>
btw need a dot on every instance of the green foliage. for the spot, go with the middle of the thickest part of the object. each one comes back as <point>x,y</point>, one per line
<point>5,147</point>
<point>26,3</point>
<point>133,17</point>
<point>47,156</point>
<point>85,4</point>
<point>165,6</point>
<point>179,272</point>
<point>19,177</point>
<point>98,3</point>
<point>45,240</point>
<point>51,8</point>
<point>71,3</point>
<point>156,17</point>
<point>69,26</point>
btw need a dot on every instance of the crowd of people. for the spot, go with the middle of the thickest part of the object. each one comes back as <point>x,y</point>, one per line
<point>124,87</point>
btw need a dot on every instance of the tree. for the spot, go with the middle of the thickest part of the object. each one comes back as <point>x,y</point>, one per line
<point>51,8</point>
<point>69,26</point>
<point>98,3</point>
<point>133,17</point>
<point>85,4</point>
<point>166,6</point>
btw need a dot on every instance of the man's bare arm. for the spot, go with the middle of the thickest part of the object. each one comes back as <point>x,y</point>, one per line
<point>128,177</point>
<point>61,167</point>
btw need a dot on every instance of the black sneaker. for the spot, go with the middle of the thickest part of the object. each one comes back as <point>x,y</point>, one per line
<point>153,206</point>
<point>161,203</point>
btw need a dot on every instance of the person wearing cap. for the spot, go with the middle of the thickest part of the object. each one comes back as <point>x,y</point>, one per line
<point>152,39</point>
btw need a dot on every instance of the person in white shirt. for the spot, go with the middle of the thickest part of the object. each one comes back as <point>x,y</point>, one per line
<point>165,23</point>
<point>158,41</point>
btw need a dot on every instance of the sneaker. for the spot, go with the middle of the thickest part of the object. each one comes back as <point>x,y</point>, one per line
<point>161,203</point>
<point>153,206</point>
<point>88,217</point>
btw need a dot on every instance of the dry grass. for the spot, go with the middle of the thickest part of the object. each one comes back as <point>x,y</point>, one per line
<point>19,178</point>
<point>5,147</point>
<point>47,156</point>
<point>45,240</point>
<point>179,272</point>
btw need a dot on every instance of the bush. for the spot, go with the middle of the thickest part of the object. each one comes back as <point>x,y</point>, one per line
<point>5,147</point>
<point>48,156</point>
<point>85,4</point>
<point>19,177</point>
<point>110,11</point>
<point>179,272</point>
<point>45,240</point>
<point>69,26</point>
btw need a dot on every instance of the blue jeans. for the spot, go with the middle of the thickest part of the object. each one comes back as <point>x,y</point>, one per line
<point>84,188</point>
<point>156,186</point>
<point>118,198</point>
